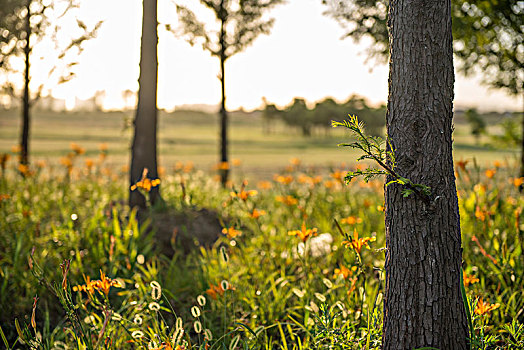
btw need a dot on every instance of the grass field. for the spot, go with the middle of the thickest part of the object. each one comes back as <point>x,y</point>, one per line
<point>257,265</point>
<point>193,136</point>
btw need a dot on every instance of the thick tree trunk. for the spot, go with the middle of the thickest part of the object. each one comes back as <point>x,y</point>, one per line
<point>144,147</point>
<point>224,171</point>
<point>26,104</point>
<point>423,305</point>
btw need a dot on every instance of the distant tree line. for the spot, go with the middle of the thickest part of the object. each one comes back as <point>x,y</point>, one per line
<point>297,115</point>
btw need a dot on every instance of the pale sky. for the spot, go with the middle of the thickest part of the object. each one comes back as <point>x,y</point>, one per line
<point>302,57</point>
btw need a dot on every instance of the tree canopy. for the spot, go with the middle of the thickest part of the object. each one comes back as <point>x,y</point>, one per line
<point>488,35</point>
<point>242,22</point>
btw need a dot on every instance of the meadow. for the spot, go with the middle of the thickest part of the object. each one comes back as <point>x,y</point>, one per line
<point>193,136</point>
<point>288,256</point>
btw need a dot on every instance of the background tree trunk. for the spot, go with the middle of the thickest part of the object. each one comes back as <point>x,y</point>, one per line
<point>143,150</point>
<point>521,188</point>
<point>423,304</point>
<point>24,136</point>
<point>224,172</point>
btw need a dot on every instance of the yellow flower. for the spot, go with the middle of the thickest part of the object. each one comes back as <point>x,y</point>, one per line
<point>165,346</point>
<point>338,175</point>
<point>33,316</point>
<point>87,287</point>
<point>483,308</point>
<point>288,200</point>
<point>285,180</point>
<point>161,171</point>
<point>351,220</point>
<point>77,149</point>
<point>89,163</point>
<point>518,181</point>
<point>264,185</point>
<point>67,162</point>
<point>178,166</point>
<point>490,173</point>
<point>24,169</point>
<point>188,167</point>
<point>105,283</point>
<point>303,178</point>
<point>244,195</point>
<point>145,183</point>
<point>497,164</point>
<point>468,279</point>
<point>231,232</point>
<point>65,270</point>
<point>357,243</point>
<point>461,164</point>
<point>102,286</point>
<point>480,214</point>
<point>295,161</point>
<point>223,166</point>
<point>257,213</point>
<point>218,290</point>
<point>353,281</point>
<point>329,184</point>
<point>304,233</point>
<point>344,271</point>
<point>236,162</point>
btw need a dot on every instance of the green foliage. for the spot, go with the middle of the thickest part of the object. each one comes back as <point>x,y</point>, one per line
<point>298,115</point>
<point>476,122</point>
<point>374,150</point>
<point>511,135</point>
<point>487,35</point>
<point>44,24</point>
<point>239,25</point>
<point>263,288</point>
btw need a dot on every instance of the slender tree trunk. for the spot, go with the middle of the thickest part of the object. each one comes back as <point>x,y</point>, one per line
<point>423,305</point>
<point>144,147</point>
<point>224,171</point>
<point>24,136</point>
<point>521,187</point>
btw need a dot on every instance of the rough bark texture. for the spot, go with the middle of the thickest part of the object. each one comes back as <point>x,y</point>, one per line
<point>224,172</point>
<point>143,149</point>
<point>24,136</point>
<point>423,305</point>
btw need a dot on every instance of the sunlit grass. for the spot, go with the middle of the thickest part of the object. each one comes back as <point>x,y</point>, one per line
<point>280,274</point>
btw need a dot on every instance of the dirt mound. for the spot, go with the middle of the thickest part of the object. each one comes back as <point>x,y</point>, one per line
<point>188,229</point>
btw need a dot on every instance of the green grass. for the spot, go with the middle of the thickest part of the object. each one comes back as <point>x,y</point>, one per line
<point>279,298</point>
<point>193,136</point>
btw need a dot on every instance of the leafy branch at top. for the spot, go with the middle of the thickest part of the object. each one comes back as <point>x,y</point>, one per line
<point>374,149</point>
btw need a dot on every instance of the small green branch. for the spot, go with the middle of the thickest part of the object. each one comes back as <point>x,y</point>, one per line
<point>374,149</point>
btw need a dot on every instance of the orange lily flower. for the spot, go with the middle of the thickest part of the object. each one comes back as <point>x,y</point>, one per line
<point>357,243</point>
<point>145,183</point>
<point>257,213</point>
<point>288,200</point>
<point>483,308</point>
<point>231,232</point>
<point>468,279</point>
<point>344,271</point>
<point>304,233</point>
<point>351,220</point>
